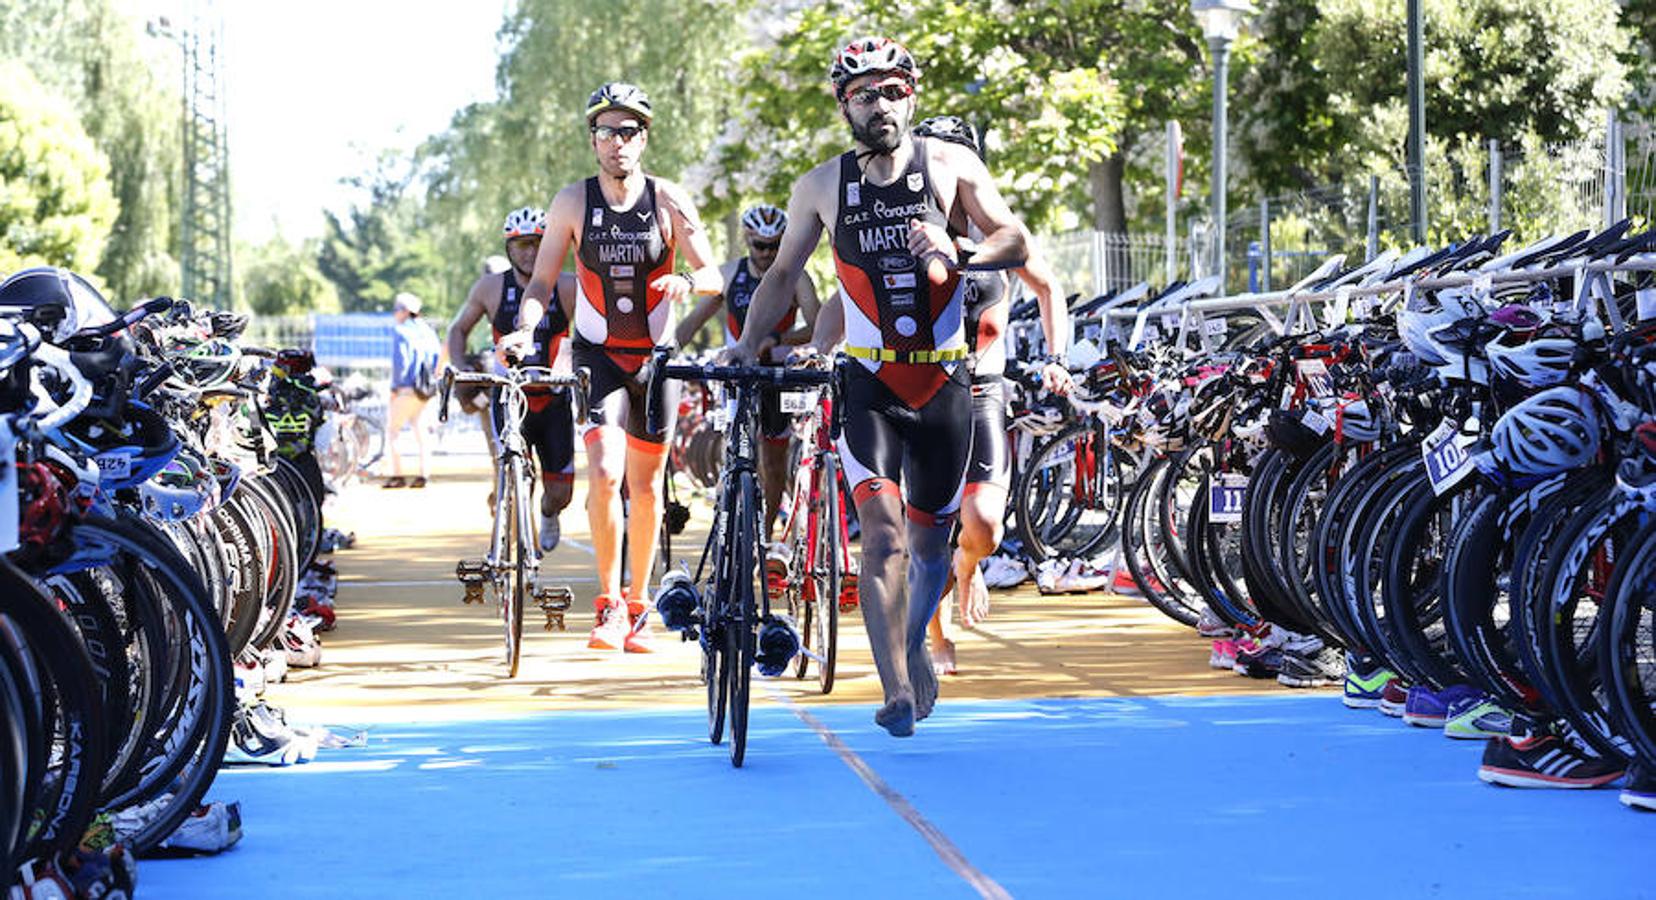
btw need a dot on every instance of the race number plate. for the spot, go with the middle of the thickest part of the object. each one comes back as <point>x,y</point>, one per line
<point>1315,374</point>
<point>1317,422</point>
<point>1216,327</point>
<point>114,466</point>
<point>1447,460</point>
<point>1225,498</point>
<point>798,402</point>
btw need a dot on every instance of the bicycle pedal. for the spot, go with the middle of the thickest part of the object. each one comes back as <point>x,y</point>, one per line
<point>471,573</point>
<point>554,602</point>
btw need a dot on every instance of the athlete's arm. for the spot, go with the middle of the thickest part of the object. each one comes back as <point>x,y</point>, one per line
<point>566,294</point>
<point>1054,320</point>
<point>1005,240</point>
<point>471,312</point>
<point>690,236</point>
<point>709,305</point>
<point>561,221</point>
<point>776,290</point>
<point>805,298</point>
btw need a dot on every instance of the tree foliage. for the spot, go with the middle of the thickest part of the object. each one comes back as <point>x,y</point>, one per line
<point>281,278</point>
<point>382,245</point>
<point>1324,97</point>
<point>56,206</point>
<point>89,52</point>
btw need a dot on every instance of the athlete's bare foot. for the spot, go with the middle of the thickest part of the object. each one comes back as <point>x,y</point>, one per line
<point>897,716</point>
<point>974,603</point>
<point>924,679</point>
<point>943,656</point>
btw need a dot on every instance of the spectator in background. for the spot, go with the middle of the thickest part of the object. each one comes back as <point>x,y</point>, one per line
<point>415,357</point>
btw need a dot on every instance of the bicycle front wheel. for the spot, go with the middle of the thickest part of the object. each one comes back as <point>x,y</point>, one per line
<point>516,562</point>
<point>741,610</point>
<point>828,574</point>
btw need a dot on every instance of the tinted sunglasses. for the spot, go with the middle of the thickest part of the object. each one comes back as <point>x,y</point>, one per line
<point>894,91</point>
<point>766,246</point>
<point>626,132</point>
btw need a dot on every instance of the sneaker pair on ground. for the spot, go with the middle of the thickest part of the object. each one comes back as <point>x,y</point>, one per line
<point>1001,571</point>
<point>1072,576</point>
<point>260,735</point>
<point>621,626</point>
<point>1460,710</point>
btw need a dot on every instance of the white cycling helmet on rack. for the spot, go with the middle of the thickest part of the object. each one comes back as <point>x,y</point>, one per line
<point>1357,422</point>
<point>1536,362</point>
<point>1553,431</point>
<point>765,221</point>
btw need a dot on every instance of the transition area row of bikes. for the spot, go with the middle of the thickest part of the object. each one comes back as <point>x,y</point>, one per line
<point>162,554</point>
<point>1429,478</point>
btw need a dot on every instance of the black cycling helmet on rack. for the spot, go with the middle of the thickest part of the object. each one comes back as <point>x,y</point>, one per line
<point>53,299</point>
<point>953,129</point>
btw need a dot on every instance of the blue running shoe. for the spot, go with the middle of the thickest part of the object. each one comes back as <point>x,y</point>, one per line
<point>1365,681</point>
<point>1430,709</point>
<point>1476,719</point>
<point>1639,790</point>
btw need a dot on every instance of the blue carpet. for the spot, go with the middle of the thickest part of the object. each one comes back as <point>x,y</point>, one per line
<point>1165,797</point>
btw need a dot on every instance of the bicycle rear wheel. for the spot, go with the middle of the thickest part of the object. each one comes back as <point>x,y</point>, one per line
<point>828,574</point>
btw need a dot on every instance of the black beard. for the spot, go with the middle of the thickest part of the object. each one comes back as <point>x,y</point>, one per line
<point>874,140</point>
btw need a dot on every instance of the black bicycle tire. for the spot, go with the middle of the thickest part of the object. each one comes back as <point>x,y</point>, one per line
<point>742,610</point>
<point>828,593</point>
<point>515,591</point>
<point>1633,714</point>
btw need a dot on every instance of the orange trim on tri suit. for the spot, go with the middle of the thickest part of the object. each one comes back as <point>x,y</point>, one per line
<point>631,363</point>
<point>864,490</point>
<point>650,448</point>
<point>973,487</point>
<point>593,434</point>
<point>558,477</point>
<point>592,286</point>
<point>858,288</point>
<point>929,519</point>
<point>913,383</point>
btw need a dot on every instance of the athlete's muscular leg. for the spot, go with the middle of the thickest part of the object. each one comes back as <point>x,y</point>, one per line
<point>982,511</point>
<point>928,569</point>
<point>773,474</point>
<point>606,465</point>
<point>556,495</point>
<point>882,596</point>
<point>645,463</point>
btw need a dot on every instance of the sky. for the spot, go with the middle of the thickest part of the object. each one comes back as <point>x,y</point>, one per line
<point>317,89</point>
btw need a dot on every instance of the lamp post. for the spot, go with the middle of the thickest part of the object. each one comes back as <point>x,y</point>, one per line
<point>1221,21</point>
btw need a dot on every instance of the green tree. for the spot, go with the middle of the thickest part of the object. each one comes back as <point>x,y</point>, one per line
<point>381,246</point>
<point>532,140</point>
<point>1324,97</point>
<point>279,278</point>
<point>56,206</point>
<point>89,52</point>
<point>1048,95</point>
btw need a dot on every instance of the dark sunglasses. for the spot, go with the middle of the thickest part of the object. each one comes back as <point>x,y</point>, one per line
<point>766,246</point>
<point>894,91</point>
<point>626,132</point>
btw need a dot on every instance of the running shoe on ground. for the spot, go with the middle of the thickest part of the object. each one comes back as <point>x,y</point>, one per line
<point>1320,669</point>
<point>1394,699</point>
<point>259,736</point>
<point>611,631</point>
<point>551,532</point>
<point>1004,572</point>
<point>1267,663</point>
<point>1365,681</point>
<point>1427,708</point>
<point>250,680</point>
<point>1639,791</point>
<point>1209,625</point>
<point>1047,574</point>
<point>1223,656</point>
<point>639,638</point>
<point>212,828</point>
<point>1544,761</point>
<point>1124,584</point>
<point>1083,577</point>
<point>1477,718</point>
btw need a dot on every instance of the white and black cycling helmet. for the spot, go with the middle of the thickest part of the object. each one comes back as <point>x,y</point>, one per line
<point>765,221</point>
<point>55,300</point>
<point>1533,362</point>
<point>619,95</point>
<point>950,128</point>
<point>525,222</point>
<point>1357,422</point>
<point>1553,431</point>
<point>870,55</point>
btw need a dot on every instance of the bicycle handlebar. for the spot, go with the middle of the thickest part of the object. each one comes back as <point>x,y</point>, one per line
<point>776,376</point>
<point>518,376</point>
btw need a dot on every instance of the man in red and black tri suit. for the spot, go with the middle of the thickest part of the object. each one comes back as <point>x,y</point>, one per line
<point>626,228</point>
<point>886,206</point>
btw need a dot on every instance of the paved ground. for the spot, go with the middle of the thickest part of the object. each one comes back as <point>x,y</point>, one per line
<point>1087,750</point>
